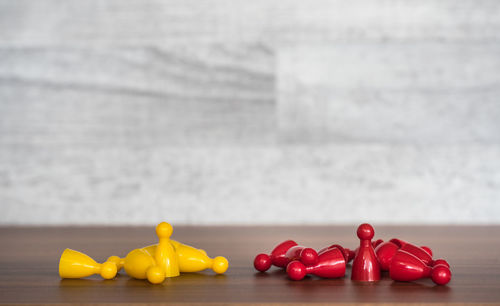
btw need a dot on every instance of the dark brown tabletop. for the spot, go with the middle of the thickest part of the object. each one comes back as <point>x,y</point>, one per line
<point>30,255</point>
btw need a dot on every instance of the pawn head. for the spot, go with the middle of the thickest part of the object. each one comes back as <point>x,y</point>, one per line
<point>155,275</point>
<point>220,265</point>
<point>117,261</point>
<point>296,270</point>
<point>108,270</point>
<point>441,274</point>
<point>262,262</point>
<point>365,231</point>
<point>164,230</point>
<point>308,256</point>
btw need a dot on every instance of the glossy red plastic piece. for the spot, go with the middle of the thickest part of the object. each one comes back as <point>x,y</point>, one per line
<point>385,252</point>
<point>441,274</point>
<point>440,262</point>
<point>351,255</point>
<point>427,249</point>
<point>408,267</point>
<point>262,262</point>
<point>277,257</point>
<point>331,264</point>
<point>398,242</point>
<point>401,243</point>
<point>418,251</point>
<point>374,245</point>
<point>307,256</point>
<point>365,266</point>
<point>348,254</point>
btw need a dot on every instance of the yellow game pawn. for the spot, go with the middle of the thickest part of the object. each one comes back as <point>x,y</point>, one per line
<point>165,255</point>
<point>74,264</point>
<point>154,264</point>
<point>192,259</point>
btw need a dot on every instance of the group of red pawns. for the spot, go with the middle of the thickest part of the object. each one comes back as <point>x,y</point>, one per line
<point>403,260</point>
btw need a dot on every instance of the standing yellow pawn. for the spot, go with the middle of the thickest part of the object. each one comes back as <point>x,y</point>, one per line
<point>165,255</point>
<point>155,264</point>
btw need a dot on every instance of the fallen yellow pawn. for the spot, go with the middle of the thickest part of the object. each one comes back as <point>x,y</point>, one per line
<point>74,264</point>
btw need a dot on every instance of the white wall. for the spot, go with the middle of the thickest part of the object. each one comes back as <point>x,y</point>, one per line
<point>253,112</point>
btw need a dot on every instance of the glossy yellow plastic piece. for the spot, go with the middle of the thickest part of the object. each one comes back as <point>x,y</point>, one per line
<point>137,262</point>
<point>154,265</point>
<point>190,260</point>
<point>165,255</point>
<point>194,260</point>
<point>119,262</point>
<point>154,262</point>
<point>74,264</point>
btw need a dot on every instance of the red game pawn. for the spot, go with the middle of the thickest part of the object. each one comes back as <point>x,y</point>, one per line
<point>263,262</point>
<point>348,254</point>
<point>419,252</point>
<point>307,256</point>
<point>385,252</point>
<point>424,253</point>
<point>401,243</point>
<point>408,267</point>
<point>365,266</point>
<point>331,264</point>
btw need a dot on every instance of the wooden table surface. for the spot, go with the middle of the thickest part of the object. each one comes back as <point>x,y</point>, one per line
<point>30,255</point>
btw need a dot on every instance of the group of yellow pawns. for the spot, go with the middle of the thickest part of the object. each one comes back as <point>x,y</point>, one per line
<point>155,262</point>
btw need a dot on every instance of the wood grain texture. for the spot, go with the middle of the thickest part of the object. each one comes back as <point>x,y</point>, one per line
<point>95,22</point>
<point>29,273</point>
<point>423,93</point>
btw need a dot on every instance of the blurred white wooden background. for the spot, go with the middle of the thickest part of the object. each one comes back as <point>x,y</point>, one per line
<point>249,112</point>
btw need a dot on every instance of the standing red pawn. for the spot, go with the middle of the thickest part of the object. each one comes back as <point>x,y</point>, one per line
<point>365,266</point>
